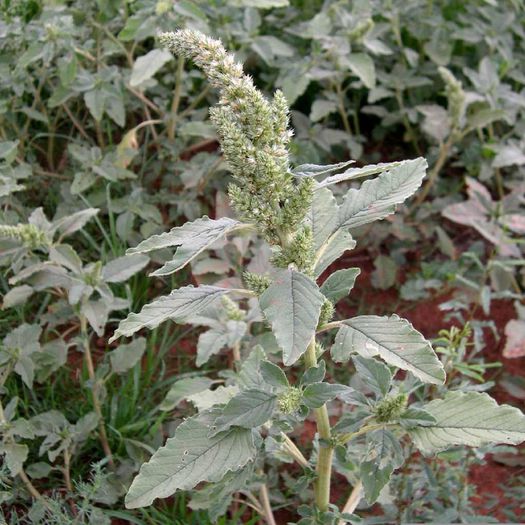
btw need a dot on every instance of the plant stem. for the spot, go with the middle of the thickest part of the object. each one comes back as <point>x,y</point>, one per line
<point>290,447</point>
<point>353,501</point>
<point>324,459</point>
<point>444,150</point>
<point>265,500</point>
<point>94,393</point>
<point>176,99</point>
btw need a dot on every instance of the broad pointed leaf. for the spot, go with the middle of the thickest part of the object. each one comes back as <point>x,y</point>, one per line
<point>248,409</point>
<point>192,239</point>
<point>392,338</point>
<point>188,458</point>
<point>377,198</point>
<point>292,305</point>
<point>471,418</point>
<point>178,306</point>
<point>339,284</point>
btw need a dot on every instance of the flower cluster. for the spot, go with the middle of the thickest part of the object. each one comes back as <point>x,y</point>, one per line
<point>390,408</point>
<point>254,136</point>
<point>290,400</point>
<point>455,97</point>
<point>28,234</point>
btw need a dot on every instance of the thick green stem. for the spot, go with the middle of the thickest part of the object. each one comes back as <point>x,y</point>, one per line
<point>324,458</point>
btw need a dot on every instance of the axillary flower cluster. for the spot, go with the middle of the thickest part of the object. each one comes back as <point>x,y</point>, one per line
<point>254,134</point>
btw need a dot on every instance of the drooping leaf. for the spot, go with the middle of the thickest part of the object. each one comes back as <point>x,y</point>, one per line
<point>358,173</point>
<point>147,65</point>
<point>192,239</point>
<point>313,170</point>
<point>248,409</point>
<point>392,338</point>
<point>122,268</point>
<point>74,222</point>
<point>384,454</point>
<point>376,375</point>
<point>377,198</point>
<point>178,306</point>
<point>214,340</point>
<point>188,458</point>
<point>127,356</point>
<point>292,304</point>
<point>184,388</point>
<point>339,284</point>
<point>471,418</point>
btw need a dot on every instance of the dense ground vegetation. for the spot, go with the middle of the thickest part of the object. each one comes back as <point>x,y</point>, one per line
<point>105,140</point>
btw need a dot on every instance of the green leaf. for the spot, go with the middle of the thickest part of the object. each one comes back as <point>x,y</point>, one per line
<point>384,454</point>
<point>17,295</point>
<point>316,395</point>
<point>376,375</point>
<point>484,117</point>
<point>15,455</point>
<point>292,304</point>
<point>357,173</point>
<point>413,417</point>
<point>190,457</point>
<point>313,170</point>
<point>178,306</point>
<point>147,65</point>
<point>314,374</point>
<point>122,268</point>
<point>74,222</point>
<point>339,284</point>
<point>127,356</point>
<point>184,388</point>
<point>249,409</point>
<point>363,67</point>
<point>377,198</point>
<point>214,340</point>
<point>337,244</point>
<point>470,418</point>
<point>273,375</point>
<point>192,239</point>
<point>392,338</point>
<point>384,275</point>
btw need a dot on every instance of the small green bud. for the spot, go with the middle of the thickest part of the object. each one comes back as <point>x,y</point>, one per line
<point>455,96</point>
<point>290,400</point>
<point>300,252</point>
<point>390,408</point>
<point>327,312</point>
<point>233,312</point>
<point>255,282</point>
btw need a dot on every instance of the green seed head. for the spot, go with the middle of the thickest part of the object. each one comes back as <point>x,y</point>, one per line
<point>290,400</point>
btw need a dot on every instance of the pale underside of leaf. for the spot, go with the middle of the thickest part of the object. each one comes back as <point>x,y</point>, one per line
<point>470,418</point>
<point>189,458</point>
<point>178,306</point>
<point>292,305</point>
<point>392,338</point>
<point>192,238</point>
